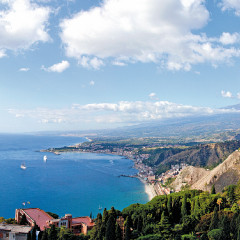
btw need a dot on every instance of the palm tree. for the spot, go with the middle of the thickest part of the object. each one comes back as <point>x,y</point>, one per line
<point>219,201</point>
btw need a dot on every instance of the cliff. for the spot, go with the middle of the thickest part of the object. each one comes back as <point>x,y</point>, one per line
<point>224,174</point>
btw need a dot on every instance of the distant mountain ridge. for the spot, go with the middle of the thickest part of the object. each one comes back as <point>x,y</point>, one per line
<point>236,107</point>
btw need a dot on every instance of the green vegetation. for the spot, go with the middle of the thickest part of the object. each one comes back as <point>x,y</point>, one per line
<point>188,214</point>
<point>62,233</point>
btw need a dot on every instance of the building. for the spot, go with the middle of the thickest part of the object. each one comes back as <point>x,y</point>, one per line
<point>36,216</point>
<point>14,232</point>
<point>77,225</point>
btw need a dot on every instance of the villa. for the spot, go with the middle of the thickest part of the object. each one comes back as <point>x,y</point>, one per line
<point>36,216</point>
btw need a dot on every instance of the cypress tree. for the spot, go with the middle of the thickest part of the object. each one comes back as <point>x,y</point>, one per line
<point>105,216</point>
<point>118,232</point>
<point>52,233</point>
<point>29,236</point>
<point>110,229</point>
<point>214,220</point>
<point>127,229</point>
<point>40,235</point>
<point>165,225</point>
<point>225,226</point>
<point>197,208</point>
<point>213,190</point>
<point>113,213</point>
<point>169,205</point>
<point>238,234</point>
<point>140,224</point>
<point>184,206</point>
<point>34,233</point>
<point>44,235</point>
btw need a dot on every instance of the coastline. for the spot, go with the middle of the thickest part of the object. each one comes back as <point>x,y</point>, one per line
<point>149,189</point>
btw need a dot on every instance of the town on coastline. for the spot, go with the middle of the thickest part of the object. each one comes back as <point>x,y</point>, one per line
<point>154,184</point>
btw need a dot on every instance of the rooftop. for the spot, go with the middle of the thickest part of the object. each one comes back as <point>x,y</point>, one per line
<point>39,216</point>
<point>15,228</point>
<point>86,220</point>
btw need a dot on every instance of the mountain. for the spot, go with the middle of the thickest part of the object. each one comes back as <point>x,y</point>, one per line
<point>203,127</point>
<point>224,174</point>
<point>234,107</point>
<point>202,155</point>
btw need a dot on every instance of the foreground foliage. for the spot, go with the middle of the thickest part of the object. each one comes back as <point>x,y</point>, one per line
<point>191,214</point>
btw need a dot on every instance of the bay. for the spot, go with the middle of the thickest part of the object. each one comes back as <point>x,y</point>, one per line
<point>76,183</point>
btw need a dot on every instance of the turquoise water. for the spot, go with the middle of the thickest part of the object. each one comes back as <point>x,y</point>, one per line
<point>75,183</point>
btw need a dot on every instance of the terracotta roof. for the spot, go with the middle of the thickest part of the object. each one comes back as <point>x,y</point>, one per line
<point>39,216</point>
<point>14,228</point>
<point>86,220</point>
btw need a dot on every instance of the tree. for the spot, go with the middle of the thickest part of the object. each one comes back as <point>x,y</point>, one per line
<point>127,229</point>
<point>184,206</point>
<point>54,215</point>
<point>23,220</point>
<point>118,232</point>
<point>213,190</point>
<point>44,235</point>
<point>52,233</point>
<point>231,193</point>
<point>219,201</point>
<point>214,220</point>
<point>29,236</point>
<point>105,216</point>
<point>169,205</point>
<point>34,233</point>
<point>110,229</point>
<point>215,234</point>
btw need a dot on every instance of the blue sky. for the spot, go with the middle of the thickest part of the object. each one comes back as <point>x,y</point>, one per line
<point>87,64</point>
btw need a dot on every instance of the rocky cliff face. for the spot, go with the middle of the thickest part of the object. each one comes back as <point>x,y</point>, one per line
<point>224,174</point>
<point>205,154</point>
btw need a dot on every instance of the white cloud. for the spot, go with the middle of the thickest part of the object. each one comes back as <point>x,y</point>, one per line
<point>226,94</point>
<point>227,38</point>
<point>2,53</point>
<point>22,23</point>
<point>123,31</point>
<point>238,95</point>
<point>24,69</point>
<point>231,5</point>
<point>92,83</point>
<point>118,63</point>
<point>58,67</point>
<point>153,96</point>
<point>123,112</point>
<point>94,63</point>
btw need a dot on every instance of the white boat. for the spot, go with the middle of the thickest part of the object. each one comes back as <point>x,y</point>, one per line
<point>45,158</point>
<point>23,166</point>
<point>100,208</point>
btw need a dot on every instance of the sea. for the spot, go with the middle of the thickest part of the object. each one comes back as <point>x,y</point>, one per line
<point>77,183</point>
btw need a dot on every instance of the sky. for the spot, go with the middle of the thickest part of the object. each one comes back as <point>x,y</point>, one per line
<point>93,64</point>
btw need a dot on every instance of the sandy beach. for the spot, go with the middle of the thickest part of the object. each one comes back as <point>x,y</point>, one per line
<point>148,189</point>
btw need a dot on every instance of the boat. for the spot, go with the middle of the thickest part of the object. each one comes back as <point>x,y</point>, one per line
<point>99,208</point>
<point>23,166</point>
<point>45,158</point>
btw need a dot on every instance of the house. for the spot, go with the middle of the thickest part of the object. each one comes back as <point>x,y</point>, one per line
<point>77,225</point>
<point>36,216</point>
<point>13,231</point>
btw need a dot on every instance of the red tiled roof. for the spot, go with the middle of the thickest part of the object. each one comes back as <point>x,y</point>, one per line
<point>85,220</point>
<point>39,216</point>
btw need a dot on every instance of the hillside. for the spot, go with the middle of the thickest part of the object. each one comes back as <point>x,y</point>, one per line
<point>224,174</point>
<point>202,155</point>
